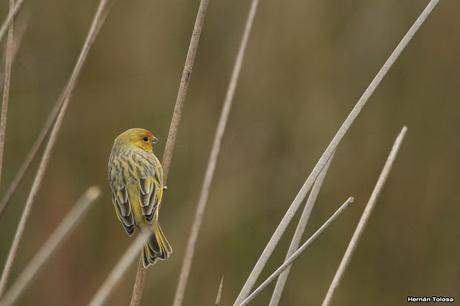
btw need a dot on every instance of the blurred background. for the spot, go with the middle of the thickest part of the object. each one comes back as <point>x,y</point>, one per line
<point>306,65</point>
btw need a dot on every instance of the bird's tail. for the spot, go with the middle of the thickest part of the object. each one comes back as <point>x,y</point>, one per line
<point>157,246</point>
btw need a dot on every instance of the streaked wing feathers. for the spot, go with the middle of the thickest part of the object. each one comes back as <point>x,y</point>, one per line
<point>148,196</point>
<point>123,209</point>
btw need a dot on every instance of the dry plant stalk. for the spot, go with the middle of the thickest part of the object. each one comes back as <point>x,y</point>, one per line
<point>288,262</point>
<point>139,283</point>
<point>365,217</point>
<point>9,19</point>
<point>99,18</point>
<point>300,229</point>
<point>329,151</point>
<point>183,86</point>
<point>20,28</point>
<point>219,292</point>
<point>123,264</point>
<point>9,53</point>
<point>212,162</point>
<point>30,156</point>
<point>100,298</point>
<point>19,33</point>
<point>48,249</point>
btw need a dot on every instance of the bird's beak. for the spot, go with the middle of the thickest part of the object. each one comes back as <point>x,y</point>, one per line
<point>155,140</point>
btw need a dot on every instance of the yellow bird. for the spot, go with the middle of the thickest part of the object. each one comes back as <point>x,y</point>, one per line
<point>136,181</point>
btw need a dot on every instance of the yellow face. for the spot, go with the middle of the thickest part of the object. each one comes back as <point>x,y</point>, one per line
<point>137,137</point>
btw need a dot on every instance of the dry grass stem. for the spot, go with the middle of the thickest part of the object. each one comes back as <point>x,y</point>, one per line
<point>98,20</point>
<point>30,157</point>
<point>365,217</point>
<point>330,149</point>
<point>300,229</point>
<point>20,29</point>
<point>48,249</point>
<point>288,262</point>
<point>212,162</point>
<point>9,19</point>
<point>219,292</point>
<point>183,86</point>
<point>9,53</point>
<point>139,282</point>
<point>169,148</point>
<point>100,298</point>
<point>19,176</point>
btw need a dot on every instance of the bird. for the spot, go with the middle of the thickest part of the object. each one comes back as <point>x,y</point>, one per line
<point>136,180</point>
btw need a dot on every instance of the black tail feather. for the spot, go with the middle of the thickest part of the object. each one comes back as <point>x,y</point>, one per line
<point>157,246</point>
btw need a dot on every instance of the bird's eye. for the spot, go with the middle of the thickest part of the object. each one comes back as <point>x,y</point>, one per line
<point>145,139</point>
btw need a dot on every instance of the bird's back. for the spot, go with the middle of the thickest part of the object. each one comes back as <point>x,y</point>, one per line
<point>135,176</point>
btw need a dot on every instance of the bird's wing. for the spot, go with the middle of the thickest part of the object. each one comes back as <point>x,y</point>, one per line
<point>120,200</point>
<point>151,188</point>
<point>123,209</point>
<point>150,196</point>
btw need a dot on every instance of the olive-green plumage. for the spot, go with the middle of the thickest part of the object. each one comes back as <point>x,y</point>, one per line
<point>136,181</point>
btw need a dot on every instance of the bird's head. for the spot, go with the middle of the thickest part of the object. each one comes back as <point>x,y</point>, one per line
<point>137,138</point>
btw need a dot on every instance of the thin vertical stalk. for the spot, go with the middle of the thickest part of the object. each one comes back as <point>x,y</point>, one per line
<point>99,18</point>
<point>330,149</point>
<point>9,50</point>
<point>183,86</point>
<point>139,283</point>
<point>297,253</point>
<point>10,191</point>
<point>9,19</point>
<point>297,237</point>
<point>212,162</point>
<point>100,298</point>
<point>48,249</point>
<point>365,217</point>
<point>219,292</point>
<point>20,29</point>
<point>122,266</point>
<point>30,156</point>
